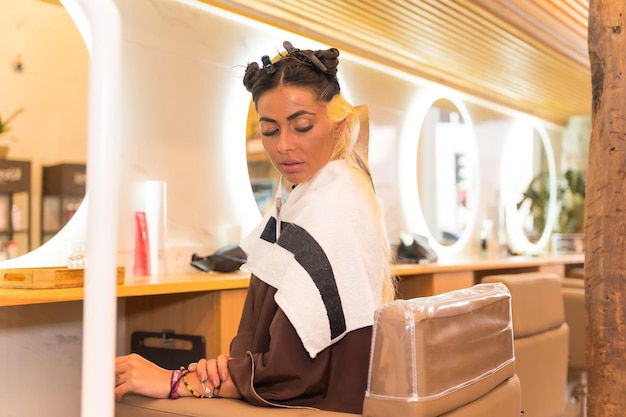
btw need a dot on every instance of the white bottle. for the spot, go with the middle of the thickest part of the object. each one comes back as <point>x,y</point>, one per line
<point>16,218</point>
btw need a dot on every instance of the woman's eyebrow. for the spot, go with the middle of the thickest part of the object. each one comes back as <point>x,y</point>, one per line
<point>299,113</point>
<point>291,117</point>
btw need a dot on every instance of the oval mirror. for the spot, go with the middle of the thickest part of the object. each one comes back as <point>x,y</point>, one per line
<point>48,80</point>
<point>439,174</point>
<point>528,188</point>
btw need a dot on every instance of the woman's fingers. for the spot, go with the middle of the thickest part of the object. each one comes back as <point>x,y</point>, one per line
<point>213,370</point>
<point>222,367</point>
<point>212,374</point>
<point>201,368</point>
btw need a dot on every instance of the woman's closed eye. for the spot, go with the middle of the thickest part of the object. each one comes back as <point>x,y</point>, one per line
<point>297,129</point>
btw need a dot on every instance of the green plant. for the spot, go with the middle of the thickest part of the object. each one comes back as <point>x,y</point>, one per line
<point>4,124</point>
<point>570,199</point>
<point>537,195</point>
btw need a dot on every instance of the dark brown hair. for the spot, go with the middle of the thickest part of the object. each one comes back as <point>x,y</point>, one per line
<point>316,70</point>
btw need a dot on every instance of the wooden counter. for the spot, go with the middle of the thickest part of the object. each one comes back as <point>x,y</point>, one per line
<point>421,280</point>
<point>478,264</point>
<point>215,281</point>
<point>210,304</point>
<point>133,286</point>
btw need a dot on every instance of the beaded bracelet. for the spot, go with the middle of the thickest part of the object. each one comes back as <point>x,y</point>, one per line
<point>175,382</point>
<point>190,389</point>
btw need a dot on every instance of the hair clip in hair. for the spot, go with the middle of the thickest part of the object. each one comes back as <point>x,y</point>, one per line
<point>267,64</point>
<point>309,58</point>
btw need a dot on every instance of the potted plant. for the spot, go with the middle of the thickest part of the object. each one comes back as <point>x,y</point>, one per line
<point>5,139</point>
<point>571,198</point>
<point>570,202</point>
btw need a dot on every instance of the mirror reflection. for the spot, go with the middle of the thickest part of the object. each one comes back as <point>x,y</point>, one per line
<point>446,172</point>
<point>529,189</point>
<point>46,79</point>
<point>534,187</point>
<point>263,176</point>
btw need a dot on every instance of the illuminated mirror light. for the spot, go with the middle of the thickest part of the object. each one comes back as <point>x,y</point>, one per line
<point>528,165</point>
<point>438,177</point>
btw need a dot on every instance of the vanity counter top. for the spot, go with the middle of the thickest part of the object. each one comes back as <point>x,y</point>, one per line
<point>480,264</point>
<point>133,286</point>
<point>216,281</point>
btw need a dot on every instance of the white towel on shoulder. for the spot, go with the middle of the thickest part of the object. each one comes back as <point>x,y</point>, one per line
<point>327,264</point>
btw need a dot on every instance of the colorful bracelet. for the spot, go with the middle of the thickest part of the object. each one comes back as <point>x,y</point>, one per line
<point>175,382</point>
<point>190,389</point>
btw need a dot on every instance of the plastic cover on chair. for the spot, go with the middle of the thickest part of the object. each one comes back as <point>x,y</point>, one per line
<point>431,355</point>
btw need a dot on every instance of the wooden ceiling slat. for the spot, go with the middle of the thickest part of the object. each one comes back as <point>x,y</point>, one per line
<point>462,48</point>
<point>529,55</point>
<point>458,58</point>
<point>553,34</point>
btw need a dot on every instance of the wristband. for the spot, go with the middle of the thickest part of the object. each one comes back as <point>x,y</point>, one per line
<point>177,375</point>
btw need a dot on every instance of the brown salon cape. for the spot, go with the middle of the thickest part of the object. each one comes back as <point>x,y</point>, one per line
<point>284,373</point>
<point>318,265</point>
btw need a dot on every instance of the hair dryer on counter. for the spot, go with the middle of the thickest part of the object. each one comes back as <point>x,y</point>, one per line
<point>226,259</point>
<point>415,249</point>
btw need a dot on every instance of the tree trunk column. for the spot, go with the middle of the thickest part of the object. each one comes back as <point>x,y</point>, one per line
<point>605,208</point>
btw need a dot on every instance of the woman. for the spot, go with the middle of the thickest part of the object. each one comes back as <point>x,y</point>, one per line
<point>319,259</point>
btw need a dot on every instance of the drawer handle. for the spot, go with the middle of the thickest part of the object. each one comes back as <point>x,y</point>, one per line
<point>14,276</point>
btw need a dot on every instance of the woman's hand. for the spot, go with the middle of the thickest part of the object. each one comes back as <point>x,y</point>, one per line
<point>215,371</point>
<point>134,373</point>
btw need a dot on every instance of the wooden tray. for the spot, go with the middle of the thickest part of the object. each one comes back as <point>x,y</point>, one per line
<point>37,278</point>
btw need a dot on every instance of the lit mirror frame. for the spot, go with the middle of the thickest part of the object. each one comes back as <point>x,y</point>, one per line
<point>407,172</point>
<point>518,241</point>
<point>53,252</point>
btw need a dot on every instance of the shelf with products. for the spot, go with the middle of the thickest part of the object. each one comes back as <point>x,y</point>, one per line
<point>63,190</point>
<point>15,206</point>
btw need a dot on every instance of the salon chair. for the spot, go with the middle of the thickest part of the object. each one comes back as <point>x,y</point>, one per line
<point>446,355</point>
<point>450,355</point>
<point>574,302</point>
<point>541,340</point>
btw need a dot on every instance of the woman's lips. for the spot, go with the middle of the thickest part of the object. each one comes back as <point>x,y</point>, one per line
<point>290,166</point>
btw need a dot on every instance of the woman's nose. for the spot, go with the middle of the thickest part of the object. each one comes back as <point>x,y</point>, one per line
<point>286,142</point>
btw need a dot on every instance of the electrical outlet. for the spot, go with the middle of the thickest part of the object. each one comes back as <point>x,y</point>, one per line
<point>179,258</point>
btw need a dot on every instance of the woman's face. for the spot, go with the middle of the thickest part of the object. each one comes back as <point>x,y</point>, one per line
<point>296,131</point>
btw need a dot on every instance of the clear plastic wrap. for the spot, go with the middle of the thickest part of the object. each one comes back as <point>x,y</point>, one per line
<point>443,348</point>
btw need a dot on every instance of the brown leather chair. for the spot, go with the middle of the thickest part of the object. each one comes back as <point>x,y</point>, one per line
<point>446,355</point>
<point>541,340</point>
<point>573,290</point>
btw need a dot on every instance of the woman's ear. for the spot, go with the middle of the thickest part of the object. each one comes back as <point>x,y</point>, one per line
<point>339,127</point>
